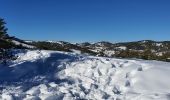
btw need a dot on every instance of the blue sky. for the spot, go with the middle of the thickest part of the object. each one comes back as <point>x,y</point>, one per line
<point>87,20</point>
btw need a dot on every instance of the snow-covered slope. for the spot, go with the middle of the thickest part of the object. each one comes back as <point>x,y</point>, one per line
<point>52,75</point>
<point>23,44</point>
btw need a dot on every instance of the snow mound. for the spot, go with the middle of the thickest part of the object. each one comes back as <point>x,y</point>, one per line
<point>33,55</point>
<point>51,75</point>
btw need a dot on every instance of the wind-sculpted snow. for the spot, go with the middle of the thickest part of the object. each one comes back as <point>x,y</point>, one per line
<point>50,75</point>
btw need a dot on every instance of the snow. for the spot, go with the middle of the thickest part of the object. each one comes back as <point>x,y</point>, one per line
<point>158,44</point>
<point>109,53</point>
<point>76,51</point>
<point>54,75</point>
<point>159,53</point>
<point>25,45</point>
<point>122,48</point>
<point>33,55</point>
<point>59,42</point>
<point>96,49</point>
<point>28,41</point>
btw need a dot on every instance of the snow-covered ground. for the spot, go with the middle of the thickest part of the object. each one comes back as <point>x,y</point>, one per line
<point>51,75</point>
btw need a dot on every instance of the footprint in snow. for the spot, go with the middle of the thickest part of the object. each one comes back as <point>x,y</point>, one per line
<point>127,83</point>
<point>145,66</point>
<point>125,63</point>
<point>116,90</point>
<point>130,74</point>
<point>107,59</point>
<point>129,78</point>
<point>113,66</point>
<point>140,69</point>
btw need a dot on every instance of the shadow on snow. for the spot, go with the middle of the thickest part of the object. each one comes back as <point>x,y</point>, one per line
<point>37,72</point>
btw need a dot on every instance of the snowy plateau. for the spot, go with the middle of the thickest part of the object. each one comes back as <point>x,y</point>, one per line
<point>54,75</point>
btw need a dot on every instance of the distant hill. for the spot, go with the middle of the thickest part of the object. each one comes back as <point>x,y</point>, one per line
<point>145,49</point>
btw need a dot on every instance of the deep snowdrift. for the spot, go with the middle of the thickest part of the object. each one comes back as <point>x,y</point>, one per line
<point>50,75</point>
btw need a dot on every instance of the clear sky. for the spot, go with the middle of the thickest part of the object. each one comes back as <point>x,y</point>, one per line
<point>87,20</point>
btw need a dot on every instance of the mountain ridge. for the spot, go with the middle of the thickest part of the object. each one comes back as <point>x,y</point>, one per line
<point>142,49</point>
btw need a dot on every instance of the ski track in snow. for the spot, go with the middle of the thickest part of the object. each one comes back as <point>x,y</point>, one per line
<point>50,75</point>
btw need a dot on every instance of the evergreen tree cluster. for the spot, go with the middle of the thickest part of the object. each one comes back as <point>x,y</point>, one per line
<point>5,43</point>
<point>3,29</point>
<point>146,54</point>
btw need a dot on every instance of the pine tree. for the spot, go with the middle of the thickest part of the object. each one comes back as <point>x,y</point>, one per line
<point>5,43</point>
<point>3,29</point>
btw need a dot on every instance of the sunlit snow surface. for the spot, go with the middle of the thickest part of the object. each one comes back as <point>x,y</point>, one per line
<point>50,75</point>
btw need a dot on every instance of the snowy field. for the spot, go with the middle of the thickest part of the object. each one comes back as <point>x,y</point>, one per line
<point>51,75</point>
